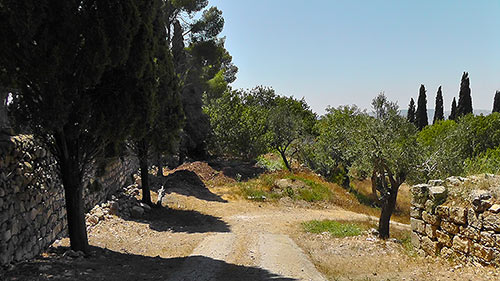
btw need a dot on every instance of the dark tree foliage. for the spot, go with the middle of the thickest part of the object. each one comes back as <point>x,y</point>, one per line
<point>453,114</point>
<point>57,53</point>
<point>411,112</point>
<point>421,114</point>
<point>439,109</point>
<point>496,102</point>
<point>199,67</point>
<point>464,98</point>
<point>155,102</point>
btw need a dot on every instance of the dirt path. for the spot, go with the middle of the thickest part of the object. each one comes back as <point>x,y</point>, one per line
<point>238,240</point>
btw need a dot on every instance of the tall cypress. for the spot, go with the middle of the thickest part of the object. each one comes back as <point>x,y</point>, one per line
<point>421,119</point>
<point>453,114</point>
<point>411,112</point>
<point>464,98</point>
<point>496,102</point>
<point>439,109</point>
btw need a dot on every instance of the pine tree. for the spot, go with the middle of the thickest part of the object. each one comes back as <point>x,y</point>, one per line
<point>421,119</point>
<point>453,114</point>
<point>496,102</point>
<point>439,109</point>
<point>411,112</point>
<point>464,98</point>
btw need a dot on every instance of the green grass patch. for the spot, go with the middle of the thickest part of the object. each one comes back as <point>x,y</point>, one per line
<point>313,192</point>
<point>335,228</point>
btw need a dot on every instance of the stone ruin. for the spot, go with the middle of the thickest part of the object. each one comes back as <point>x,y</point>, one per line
<point>458,218</point>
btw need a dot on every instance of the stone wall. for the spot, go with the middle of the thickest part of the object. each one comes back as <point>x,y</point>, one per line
<point>455,219</point>
<point>32,204</point>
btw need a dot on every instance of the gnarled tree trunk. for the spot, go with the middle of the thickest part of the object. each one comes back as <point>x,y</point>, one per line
<point>73,190</point>
<point>388,206</point>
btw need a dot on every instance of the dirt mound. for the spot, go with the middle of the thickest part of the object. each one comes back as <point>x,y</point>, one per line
<point>188,183</point>
<point>204,171</point>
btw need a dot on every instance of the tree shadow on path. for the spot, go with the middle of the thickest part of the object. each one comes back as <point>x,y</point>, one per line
<point>104,264</point>
<point>188,221</point>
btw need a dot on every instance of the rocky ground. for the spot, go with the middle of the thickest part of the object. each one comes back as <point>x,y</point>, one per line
<point>206,234</point>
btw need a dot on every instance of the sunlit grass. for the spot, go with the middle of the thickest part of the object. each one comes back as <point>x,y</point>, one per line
<point>335,228</point>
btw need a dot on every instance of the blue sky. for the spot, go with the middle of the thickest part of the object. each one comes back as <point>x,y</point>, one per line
<point>346,52</point>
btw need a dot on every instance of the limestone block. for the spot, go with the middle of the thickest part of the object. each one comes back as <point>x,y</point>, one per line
<point>438,193</point>
<point>458,215</point>
<point>436,182</point>
<point>415,239</point>
<point>491,221</point>
<point>431,219</point>
<point>430,230</point>
<point>473,219</point>
<point>488,238</point>
<point>482,252</point>
<point>417,225</point>
<point>442,211</point>
<point>419,194</point>
<point>429,246</point>
<point>470,232</point>
<point>450,227</point>
<point>446,252</point>
<point>495,208</point>
<point>461,244</point>
<point>444,238</point>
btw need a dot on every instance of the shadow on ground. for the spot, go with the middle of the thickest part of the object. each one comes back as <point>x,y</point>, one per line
<point>104,264</point>
<point>188,221</point>
<point>238,170</point>
<point>188,183</point>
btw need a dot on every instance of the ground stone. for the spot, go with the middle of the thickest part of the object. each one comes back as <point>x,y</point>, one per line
<point>458,215</point>
<point>429,246</point>
<point>461,244</point>
<point>491,221</point>
<point>136,212</point>
<point>417,225</point>
<point>450,227</point>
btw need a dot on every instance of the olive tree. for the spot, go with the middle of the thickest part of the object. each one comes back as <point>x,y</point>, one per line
<point>387,149</point>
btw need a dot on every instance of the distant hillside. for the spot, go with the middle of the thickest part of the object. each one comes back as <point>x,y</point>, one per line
<point>430,113</point>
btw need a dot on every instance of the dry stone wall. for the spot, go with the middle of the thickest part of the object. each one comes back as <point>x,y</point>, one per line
<point>451,219</point>
<point>32,204</point>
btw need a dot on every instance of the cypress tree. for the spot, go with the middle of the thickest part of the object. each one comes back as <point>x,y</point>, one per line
<point>421,114</point>
<point>496,102</point>
<point>464,98</point>
<point>59,53</point>
<point>439,109</point>
<point>411,112</point>
<point>453,114</point>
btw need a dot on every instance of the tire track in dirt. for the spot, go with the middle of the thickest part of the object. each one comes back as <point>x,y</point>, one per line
<point>200,264</point>
<point>280,255</point>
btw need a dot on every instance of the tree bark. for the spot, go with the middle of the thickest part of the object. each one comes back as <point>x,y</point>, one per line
<point>287,165</point>
<point>73,191</point>
<point>374,187</point>
<point>388,205</point>
<point>143,163</point>
<point>346,181</point>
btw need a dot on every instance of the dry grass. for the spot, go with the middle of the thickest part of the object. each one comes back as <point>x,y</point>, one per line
<point>402,212</point>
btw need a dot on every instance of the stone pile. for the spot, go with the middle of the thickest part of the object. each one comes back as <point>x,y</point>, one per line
<point>32,204</point>
<point>123,204</point>
<point>467,229</point>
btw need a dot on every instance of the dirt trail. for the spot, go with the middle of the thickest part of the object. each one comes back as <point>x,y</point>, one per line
<point>195,239</point>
